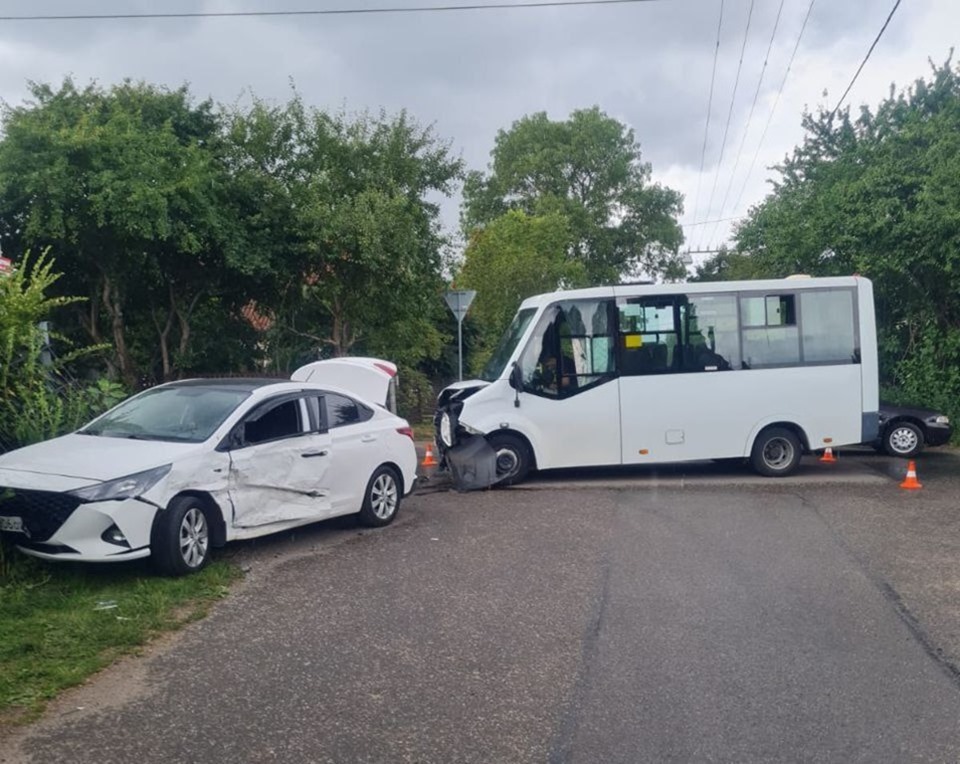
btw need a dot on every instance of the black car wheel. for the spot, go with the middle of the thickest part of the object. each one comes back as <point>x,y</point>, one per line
<point>903,439</point>
<point>180,542</point>
<point>381,502</point>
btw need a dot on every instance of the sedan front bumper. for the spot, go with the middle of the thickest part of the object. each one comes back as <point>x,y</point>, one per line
<point>57,526</point>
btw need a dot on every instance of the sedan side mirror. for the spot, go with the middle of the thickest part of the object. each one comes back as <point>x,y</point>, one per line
<point>234,439</point>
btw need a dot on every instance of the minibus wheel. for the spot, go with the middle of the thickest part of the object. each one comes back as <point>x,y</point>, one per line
<point>513,458</point>
<point>776,452</point>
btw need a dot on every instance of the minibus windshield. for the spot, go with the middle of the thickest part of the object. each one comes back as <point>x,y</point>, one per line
<point>508,343</point>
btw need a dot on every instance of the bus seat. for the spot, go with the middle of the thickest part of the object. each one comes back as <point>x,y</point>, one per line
<point>658,360</point>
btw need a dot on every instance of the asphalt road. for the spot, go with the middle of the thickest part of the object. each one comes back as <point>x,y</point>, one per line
<point>694,614</point>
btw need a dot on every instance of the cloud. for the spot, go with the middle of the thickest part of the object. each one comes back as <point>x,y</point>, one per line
<point>471,74</point>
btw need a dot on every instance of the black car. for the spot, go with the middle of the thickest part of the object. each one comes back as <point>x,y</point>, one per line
<point>905,430</point>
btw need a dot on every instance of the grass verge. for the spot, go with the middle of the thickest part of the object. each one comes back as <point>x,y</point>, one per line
<point>60,623</point>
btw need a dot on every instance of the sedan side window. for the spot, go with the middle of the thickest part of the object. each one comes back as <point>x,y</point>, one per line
<point>342,410</point>
<point>280,421</point>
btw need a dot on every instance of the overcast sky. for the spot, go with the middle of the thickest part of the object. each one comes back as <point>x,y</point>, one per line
<point>471,73</point>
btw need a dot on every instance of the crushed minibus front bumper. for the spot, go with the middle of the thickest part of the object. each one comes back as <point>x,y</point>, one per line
<point>468,456</point>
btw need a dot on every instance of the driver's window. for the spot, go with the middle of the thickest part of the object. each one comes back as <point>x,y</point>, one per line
<point>570,349</point>
<point>281,421</point>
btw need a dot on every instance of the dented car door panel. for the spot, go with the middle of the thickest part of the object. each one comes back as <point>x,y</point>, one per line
<point>282,475</point>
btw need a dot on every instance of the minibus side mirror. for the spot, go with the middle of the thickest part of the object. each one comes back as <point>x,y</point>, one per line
<point>516,382</point>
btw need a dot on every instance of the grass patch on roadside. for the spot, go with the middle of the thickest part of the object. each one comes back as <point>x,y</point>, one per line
<point>60,623</point>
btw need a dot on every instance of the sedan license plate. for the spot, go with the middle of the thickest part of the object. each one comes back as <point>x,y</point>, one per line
<point>12,524</point>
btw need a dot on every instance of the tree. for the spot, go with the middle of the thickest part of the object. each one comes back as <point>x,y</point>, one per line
<point>513,257</point>
<point>589,170</point>
<point>123,184</point>
<point>879,195</point>
<point>359,258</point>
<point>725,265</point>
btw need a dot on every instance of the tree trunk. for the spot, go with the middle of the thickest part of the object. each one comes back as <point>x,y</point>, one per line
<point>183,316</point>
<point>113,302</point>
<point>90,321</point>
<point>164,343</point>
<point>342,337</point>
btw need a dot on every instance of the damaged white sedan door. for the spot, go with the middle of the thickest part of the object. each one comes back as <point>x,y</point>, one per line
<point>279,465</point>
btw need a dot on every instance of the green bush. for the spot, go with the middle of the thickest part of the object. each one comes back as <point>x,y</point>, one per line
<point>415,396</point>
<point>39,400</point>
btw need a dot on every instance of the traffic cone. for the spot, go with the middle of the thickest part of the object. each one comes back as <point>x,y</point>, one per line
<point>428,460</point>
<point>828,455</point>
<point>910,481</point>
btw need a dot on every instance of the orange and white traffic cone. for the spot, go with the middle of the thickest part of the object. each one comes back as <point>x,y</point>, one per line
<point>828,455</point>
<point>910,481</point>
<point>428,460</point>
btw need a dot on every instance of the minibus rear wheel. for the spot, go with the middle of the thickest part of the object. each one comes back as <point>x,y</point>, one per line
<point>513,458</point>
<point>776,452</point>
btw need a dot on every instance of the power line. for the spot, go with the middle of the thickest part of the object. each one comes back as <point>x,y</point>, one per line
<point>706,222</point>
<point>753,106</point>
<point>865,58</point>
<point>773,109</point>
<point>324,12</point>
<point>733,98</point>
<point>706,128</point>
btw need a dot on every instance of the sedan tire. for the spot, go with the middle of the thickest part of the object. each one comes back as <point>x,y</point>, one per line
<point>381,501</point>
<point>180,542</point>
<point>903,439</point>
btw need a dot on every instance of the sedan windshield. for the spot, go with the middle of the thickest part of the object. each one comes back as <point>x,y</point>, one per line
<point>508,343</point>
<point>188,414</point>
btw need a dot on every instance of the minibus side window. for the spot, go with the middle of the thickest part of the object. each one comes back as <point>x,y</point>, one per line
<point>770,335</point>
<point>711,333</point>
<point>649,340</point>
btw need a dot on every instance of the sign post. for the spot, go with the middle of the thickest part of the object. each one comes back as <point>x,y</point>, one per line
<point>459,301</point>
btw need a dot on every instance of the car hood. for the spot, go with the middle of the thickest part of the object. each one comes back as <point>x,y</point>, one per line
<point>87,458</point>
<point>887,410</point>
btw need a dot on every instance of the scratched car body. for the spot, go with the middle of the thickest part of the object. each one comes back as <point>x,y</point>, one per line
<point>190,465</point>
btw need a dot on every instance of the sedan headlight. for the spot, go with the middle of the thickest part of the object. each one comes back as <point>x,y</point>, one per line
<point>123,488</point>
<point>446,430</point>
<point>940,419</point>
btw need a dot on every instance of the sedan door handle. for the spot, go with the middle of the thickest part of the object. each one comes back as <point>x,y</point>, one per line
<point>368,438</point>
<point>308,454</point>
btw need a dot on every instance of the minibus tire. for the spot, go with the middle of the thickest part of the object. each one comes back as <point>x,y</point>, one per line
<point>509,448</point>
<point>776,452</point>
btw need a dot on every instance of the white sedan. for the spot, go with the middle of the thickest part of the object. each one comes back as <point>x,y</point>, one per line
<point>188,465</point>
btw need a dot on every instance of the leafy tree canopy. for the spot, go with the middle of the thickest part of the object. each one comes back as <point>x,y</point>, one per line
<point>123,183</point>
<point>877,194</point>
<point>588,169</point>
<point>358,264</point>
<point>515,256</point>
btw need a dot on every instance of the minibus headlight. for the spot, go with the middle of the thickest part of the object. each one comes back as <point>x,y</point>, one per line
<point>446,429</point>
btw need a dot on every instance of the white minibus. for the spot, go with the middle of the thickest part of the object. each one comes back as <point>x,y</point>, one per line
<point>646,374</point>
